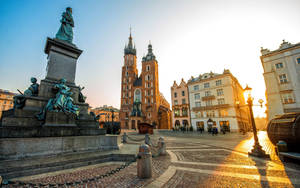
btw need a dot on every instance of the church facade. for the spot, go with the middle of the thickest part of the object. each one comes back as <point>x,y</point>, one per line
<point>141,101</point>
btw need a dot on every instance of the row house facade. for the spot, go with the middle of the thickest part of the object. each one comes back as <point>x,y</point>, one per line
<point>215,99</point>
<point>282,79</point>
<point>180,105</point>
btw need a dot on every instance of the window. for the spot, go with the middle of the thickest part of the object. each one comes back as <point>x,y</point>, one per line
<point>220,92</point>
<point>182,93</point>
<point>184,112</point>
<point>199,115</point>
<point>152,100</point>
<point>298,60</point>
<point>207,93</point>
<point>175,102</point>
<point>148,84</point>
<point>218,82</point>
<point>126,73</point>
<point>282,78</point>
<point>206,85</point>
<point>278,65</point>
<point>175,94</point>
<point>176,112</point>
<point>198,104</point>
<point>197,96</point>
<point>183,101</point>
<point>196,87</point>
<point>221,101</point>
<point>151,92</point>
<point>223,113</point>
<point>148,92</point>
<point>210,113</point>
<point>208,103</point>
<point>287,98</point>
<point>148,68</point>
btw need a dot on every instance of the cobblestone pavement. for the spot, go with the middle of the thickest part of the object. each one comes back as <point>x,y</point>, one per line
<point>196,161</point>
<point>222,161</point>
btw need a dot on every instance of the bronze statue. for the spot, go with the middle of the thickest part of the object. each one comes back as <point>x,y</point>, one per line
<point>65,31</point>
<point>63,102</point>
<point>81,97</point>
<point>33,90</point>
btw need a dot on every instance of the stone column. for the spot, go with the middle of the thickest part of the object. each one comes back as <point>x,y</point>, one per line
<point>144,162</point>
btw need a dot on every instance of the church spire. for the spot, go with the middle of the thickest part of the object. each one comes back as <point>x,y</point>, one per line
<point>150,55</point>
<point>130,49</point>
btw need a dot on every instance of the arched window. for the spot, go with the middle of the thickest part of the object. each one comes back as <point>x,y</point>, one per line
<point>137,95</point>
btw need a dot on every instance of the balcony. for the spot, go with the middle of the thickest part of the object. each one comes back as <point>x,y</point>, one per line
<point>213,107</point>
<point>210,97</point>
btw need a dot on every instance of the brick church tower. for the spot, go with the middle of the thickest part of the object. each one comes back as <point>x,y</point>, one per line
<point>141,101</point>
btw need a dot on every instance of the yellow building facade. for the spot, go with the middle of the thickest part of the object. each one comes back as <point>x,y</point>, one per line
<point>6,100</point>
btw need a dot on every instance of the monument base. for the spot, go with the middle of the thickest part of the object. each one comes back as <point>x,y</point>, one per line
<point>15,148</point>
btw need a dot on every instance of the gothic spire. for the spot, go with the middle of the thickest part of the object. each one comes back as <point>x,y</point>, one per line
<point>130,49</point>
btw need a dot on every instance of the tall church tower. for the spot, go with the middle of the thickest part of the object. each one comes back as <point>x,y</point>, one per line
<point>129,75</point>
<point>150,95</point>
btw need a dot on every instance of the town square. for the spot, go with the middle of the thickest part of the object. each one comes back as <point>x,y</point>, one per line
<point>203,94</point>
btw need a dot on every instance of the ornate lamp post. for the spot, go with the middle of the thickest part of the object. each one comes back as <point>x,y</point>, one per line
<point>257,149</point>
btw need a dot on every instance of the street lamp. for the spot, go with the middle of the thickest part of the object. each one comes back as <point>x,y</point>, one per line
<point>257,149</point>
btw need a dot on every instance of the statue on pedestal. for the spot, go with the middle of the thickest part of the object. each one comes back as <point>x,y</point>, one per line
<point>33,90</point>
<point>63,102</point>
<point>65,31</point>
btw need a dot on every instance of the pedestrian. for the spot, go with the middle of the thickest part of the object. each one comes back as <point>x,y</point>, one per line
<point>214,129</point>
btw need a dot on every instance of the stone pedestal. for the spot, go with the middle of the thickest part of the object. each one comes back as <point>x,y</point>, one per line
<point>62,60</point>
<point>59,119</point>
<point>14,148</point>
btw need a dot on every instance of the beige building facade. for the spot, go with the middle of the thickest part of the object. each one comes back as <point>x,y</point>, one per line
<point>218,99</point>
<point>105,113</point>
<point>6,100</point>
<point>180,105</point>
<point>282,79</point>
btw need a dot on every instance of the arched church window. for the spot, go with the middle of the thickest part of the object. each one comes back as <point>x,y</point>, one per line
<point>137,95</point>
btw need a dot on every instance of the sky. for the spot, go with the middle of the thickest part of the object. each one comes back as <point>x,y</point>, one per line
<point>189,37</point>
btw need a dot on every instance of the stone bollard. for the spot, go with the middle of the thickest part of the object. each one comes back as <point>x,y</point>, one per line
<point>144,162</point>
<point>124,138</point>
<point>147,140</point>
<point>162,146</point>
